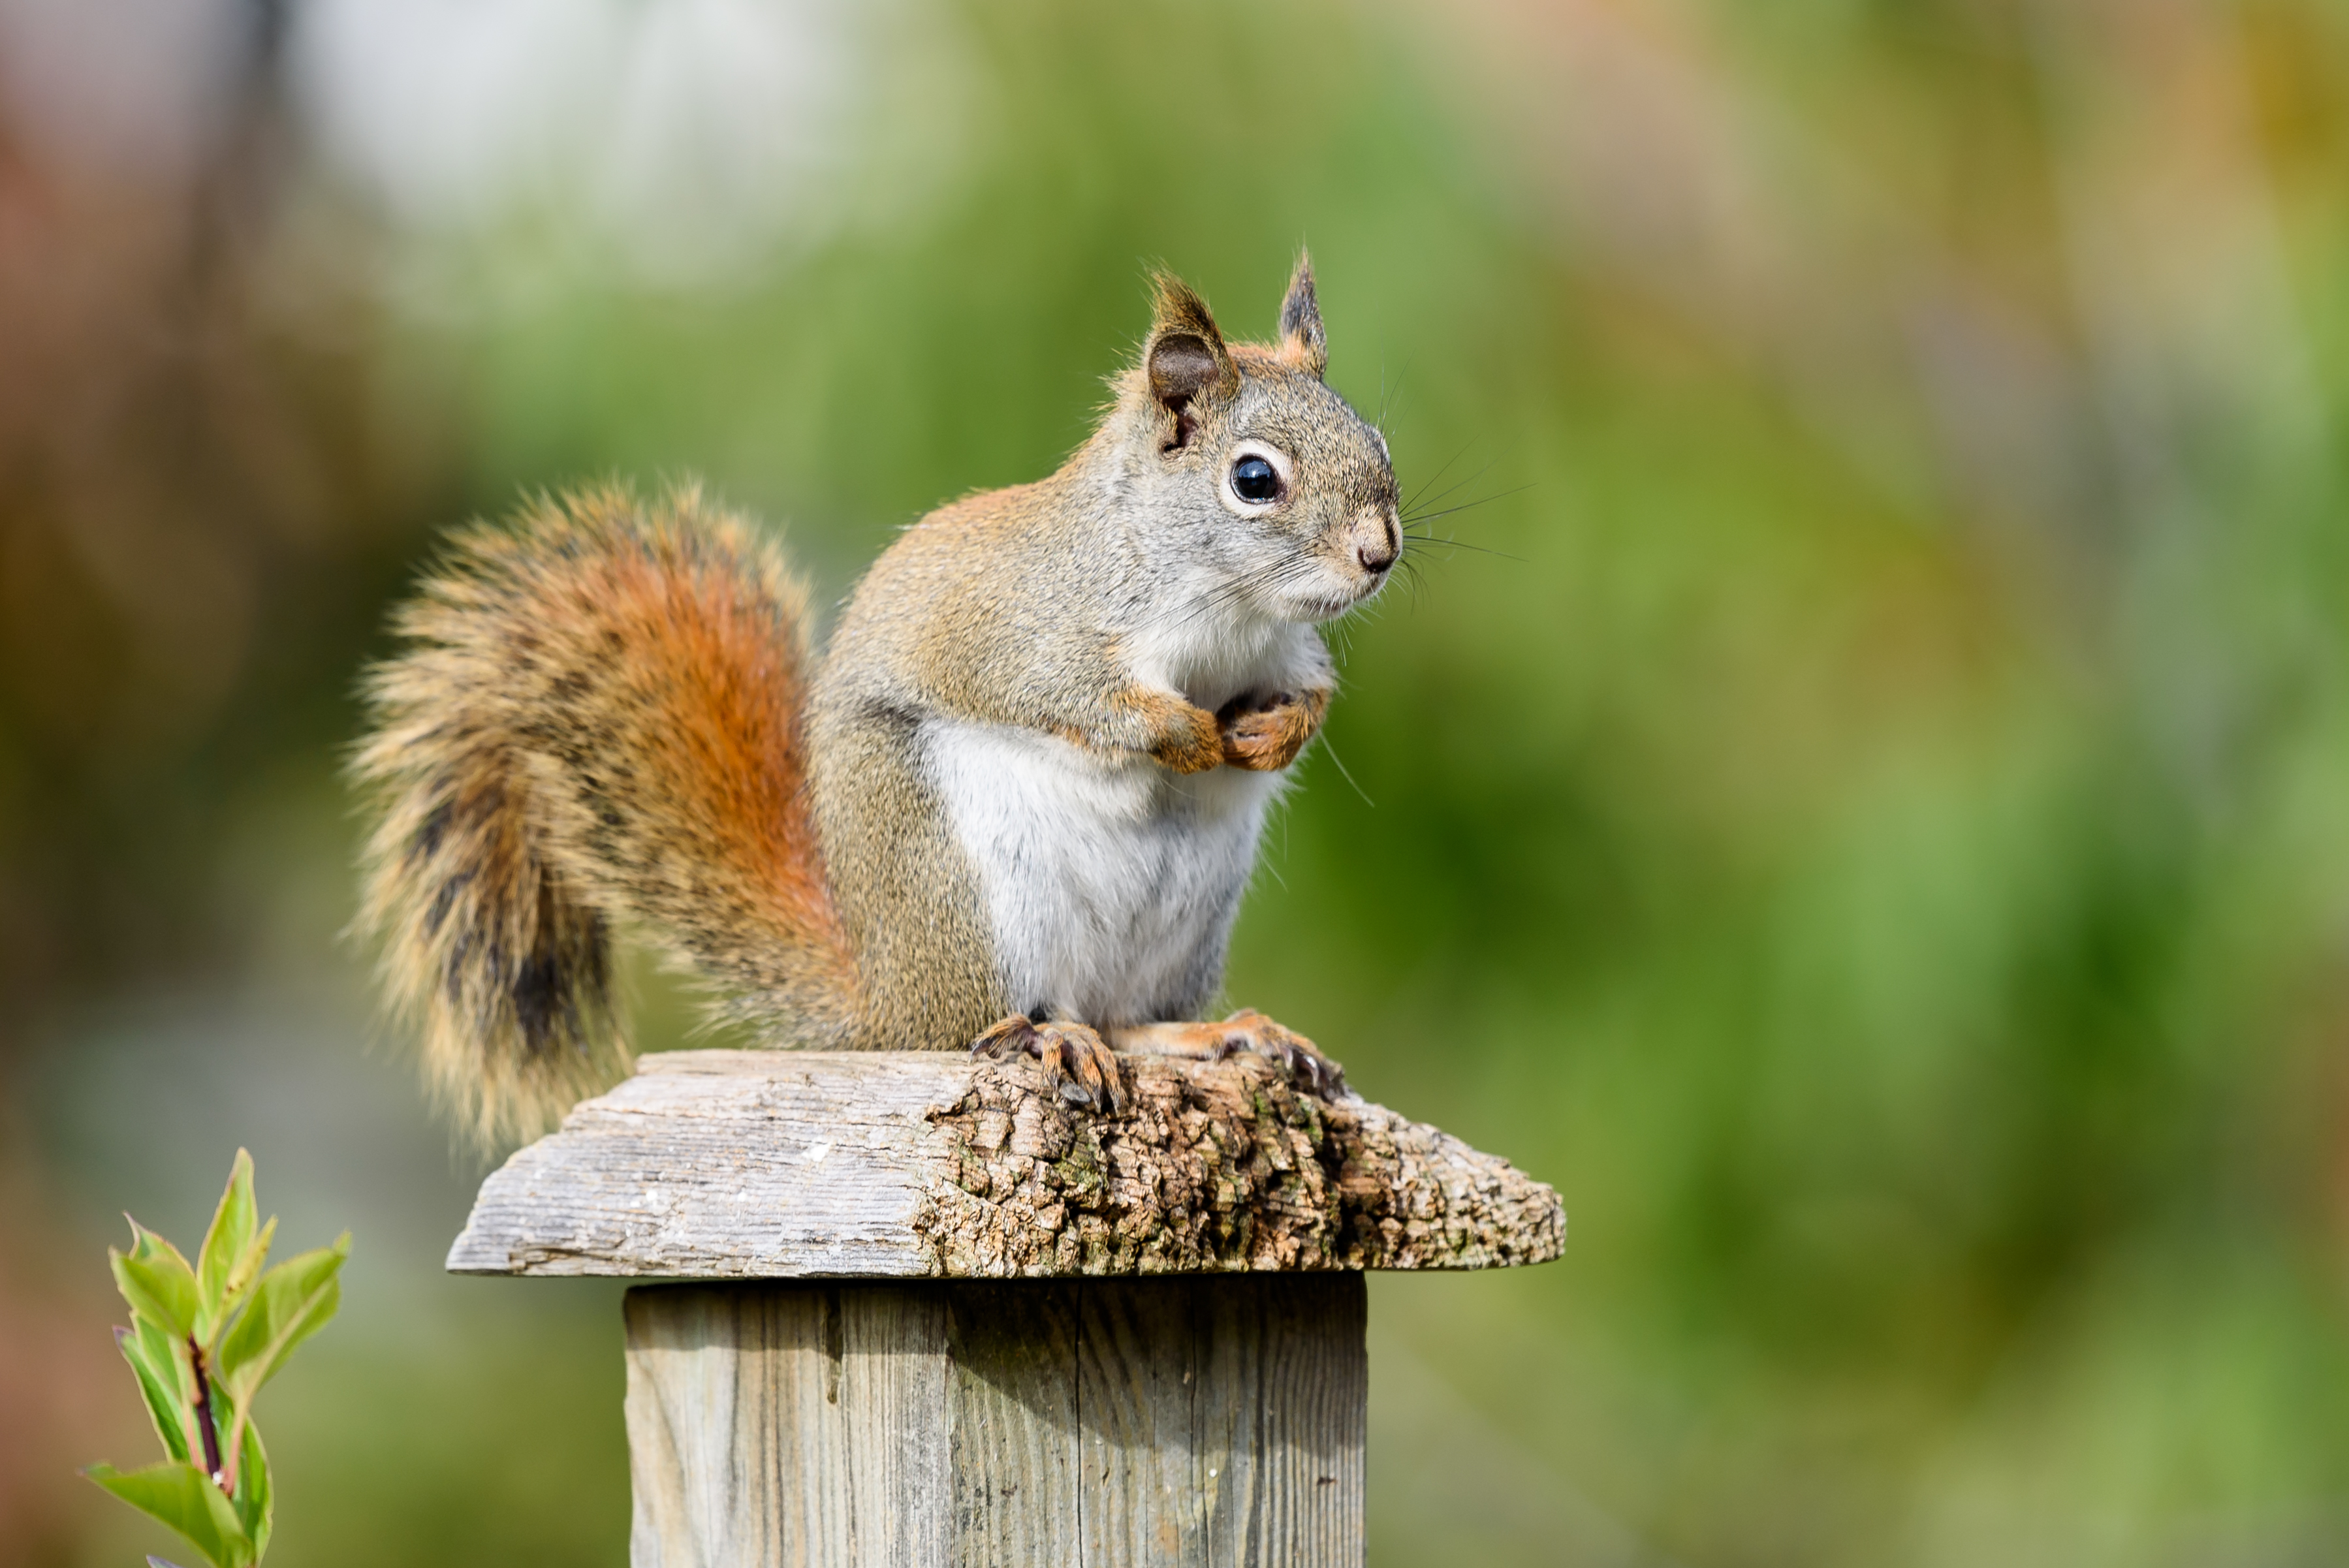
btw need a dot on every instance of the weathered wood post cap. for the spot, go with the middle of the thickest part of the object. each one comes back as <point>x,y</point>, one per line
<point>921,1165</point>
<point>921,1336</point>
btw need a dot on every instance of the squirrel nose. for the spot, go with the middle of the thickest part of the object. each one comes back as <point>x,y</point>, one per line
<point>1377,555</point>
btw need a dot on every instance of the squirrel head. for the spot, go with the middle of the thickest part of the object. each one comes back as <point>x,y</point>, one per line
<point>1247,465</point>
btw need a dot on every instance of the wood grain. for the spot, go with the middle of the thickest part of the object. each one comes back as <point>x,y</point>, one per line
<point>1214,1422</point>
<point>1136,1379</point>
<point>771,1164</point>
<point>1017,1460</point>
<point>895,1386</point>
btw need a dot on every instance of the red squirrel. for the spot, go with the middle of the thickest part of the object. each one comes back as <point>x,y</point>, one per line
<point>1012,807</point>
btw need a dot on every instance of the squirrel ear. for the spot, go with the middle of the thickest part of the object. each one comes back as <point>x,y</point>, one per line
<point>1185,360</point>
<point>1303,344</point>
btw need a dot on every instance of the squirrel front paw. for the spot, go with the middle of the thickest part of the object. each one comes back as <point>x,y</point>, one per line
<point>1078,1066</point>
<point>1266,736</point>
<point>1190,740</point>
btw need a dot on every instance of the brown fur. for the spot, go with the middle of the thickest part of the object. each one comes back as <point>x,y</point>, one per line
<point>1184,737</point>
<point>598,716</point>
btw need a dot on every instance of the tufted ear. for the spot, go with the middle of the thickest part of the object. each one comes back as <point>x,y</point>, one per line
<point>1303,344</point>
<point>1185,360</point>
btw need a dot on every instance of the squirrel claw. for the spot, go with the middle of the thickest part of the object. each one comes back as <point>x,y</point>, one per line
<point>1078,1066</point>
<point>1299,1058</point>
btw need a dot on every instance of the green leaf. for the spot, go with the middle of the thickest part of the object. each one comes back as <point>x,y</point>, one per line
<point>159,1385</point>
<point>290,1303</point>
<point>173,1362</point>
<point>224,1246</point>
<point>244,1272</point>
<point>180,1494</point>
<point>255,1504</point>
<point>165,1355</point>
<point>147,1246</point>
<point>251,1497</point>
<point>159,1285</point>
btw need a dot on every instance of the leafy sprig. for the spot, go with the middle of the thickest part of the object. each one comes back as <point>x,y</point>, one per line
<point>203,1341</point>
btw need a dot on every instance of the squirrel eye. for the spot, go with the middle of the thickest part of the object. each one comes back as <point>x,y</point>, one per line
<point>1253,480</point>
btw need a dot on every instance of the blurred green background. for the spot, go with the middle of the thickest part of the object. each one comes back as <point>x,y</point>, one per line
<point>1867,819</point>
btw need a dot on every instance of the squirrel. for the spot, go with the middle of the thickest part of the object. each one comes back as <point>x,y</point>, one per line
<point>1011,807</point>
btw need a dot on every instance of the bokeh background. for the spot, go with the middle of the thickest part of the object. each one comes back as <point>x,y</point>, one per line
<point>1863,807</point>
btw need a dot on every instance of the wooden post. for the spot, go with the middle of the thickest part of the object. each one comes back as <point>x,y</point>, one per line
<point>941,1318</point>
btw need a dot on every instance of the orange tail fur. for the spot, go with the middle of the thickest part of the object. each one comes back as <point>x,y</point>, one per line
<point>597,719</point>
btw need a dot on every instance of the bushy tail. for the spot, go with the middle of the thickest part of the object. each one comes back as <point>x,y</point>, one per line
<point>598,718</point>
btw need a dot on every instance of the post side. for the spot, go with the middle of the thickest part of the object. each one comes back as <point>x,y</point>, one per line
<point>928,1314</point>
<point>1174,1421</point>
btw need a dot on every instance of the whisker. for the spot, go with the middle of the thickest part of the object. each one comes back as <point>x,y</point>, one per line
<point>1272,577</point>
<point>1414,585</point>
<point>1463,506</point>
<point>1389,403</point>
<point>1431,542</point>
<point>1340,765</point>
<point>1421,502</point>
<point>1412,499</point>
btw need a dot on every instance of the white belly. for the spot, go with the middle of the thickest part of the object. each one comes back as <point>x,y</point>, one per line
<point>1110,884</point>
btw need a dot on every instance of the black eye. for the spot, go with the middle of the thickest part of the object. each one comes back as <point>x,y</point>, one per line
<point>1255,480</point>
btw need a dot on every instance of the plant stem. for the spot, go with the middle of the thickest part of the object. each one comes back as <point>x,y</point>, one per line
<point>205,1413</point>
<point>227,1477</point>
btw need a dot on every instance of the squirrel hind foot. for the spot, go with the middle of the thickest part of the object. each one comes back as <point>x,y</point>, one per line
<point>1298,1058</point>
<point>1079,1066</point>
